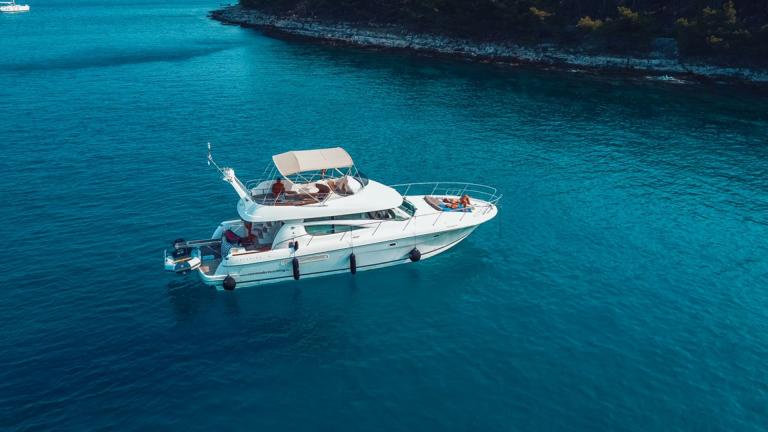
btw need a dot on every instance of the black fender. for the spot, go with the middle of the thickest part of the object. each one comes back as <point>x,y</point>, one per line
<point>296,272</point>
<point>414,255</point>
<point>352,263</point>
<point>229,283</point>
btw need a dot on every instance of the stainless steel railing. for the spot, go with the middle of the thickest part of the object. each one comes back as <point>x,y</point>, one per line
<point>482,197</point>
<point>485,193</point>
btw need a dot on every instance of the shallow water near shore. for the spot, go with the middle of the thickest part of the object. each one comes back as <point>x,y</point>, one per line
<point>621,287</point>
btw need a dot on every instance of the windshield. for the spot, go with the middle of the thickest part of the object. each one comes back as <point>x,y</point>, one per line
<point>407,207</point>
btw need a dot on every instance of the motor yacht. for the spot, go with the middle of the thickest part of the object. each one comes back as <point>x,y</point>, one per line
<point>11,6</point>
<point>313,213</point>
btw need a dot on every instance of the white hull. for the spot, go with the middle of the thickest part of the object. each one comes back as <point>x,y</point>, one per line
<point>376,246</point>
<point>14,8</point>
<point>329,262</point>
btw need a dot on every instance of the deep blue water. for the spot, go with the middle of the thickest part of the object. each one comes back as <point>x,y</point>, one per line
<point>623,286</point>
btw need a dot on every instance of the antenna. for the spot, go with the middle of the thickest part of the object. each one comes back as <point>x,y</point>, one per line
<point>211,161</point>
<point>229,177</point>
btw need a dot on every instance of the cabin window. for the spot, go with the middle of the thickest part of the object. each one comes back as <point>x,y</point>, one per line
<point>387,214</point>
<point>353,216</point>
<point>318,219</point>
<point>405,211</point>
<point>318,230</point>
<point>408,207</point>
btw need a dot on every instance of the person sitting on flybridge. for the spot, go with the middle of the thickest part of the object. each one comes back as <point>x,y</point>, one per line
<point>278,188</point>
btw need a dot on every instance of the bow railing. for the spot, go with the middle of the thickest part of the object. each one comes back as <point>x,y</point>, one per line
<point>485,193</point>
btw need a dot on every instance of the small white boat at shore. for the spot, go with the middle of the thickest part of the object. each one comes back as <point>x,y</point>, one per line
<point>12,7</point>
<point>315,214</point>
<point>667,79</point>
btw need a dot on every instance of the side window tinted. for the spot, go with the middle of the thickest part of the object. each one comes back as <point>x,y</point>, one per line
<point>318,230</point>
<point>407,207</point>
<point>319,219</point>
<point>354,216</point>
<point>382,214</point>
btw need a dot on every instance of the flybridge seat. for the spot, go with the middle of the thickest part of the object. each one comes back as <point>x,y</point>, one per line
<point>298,194</point>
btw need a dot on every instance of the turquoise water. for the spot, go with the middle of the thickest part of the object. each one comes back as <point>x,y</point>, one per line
<point>621,287</point>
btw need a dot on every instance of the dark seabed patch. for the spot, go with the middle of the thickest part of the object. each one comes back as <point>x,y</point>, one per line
<point>90,59</point>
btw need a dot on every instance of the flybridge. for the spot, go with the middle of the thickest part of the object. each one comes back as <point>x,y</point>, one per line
<point>300,178</point>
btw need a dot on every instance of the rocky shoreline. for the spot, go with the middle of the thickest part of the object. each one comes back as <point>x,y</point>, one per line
<point>663,62</point>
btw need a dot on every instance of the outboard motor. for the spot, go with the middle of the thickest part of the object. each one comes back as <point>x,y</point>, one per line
<point>182,259</point>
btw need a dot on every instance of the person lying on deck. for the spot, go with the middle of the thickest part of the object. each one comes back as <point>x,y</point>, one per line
<point>451,203</point>
<point>465,201</point>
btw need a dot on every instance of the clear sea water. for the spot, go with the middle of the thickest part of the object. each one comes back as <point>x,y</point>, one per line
<point>623,286</point>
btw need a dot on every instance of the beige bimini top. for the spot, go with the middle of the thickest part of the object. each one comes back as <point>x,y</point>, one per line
<point>293,162</point>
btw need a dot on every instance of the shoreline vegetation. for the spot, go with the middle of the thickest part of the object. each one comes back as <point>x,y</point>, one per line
<point>702,49</point>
